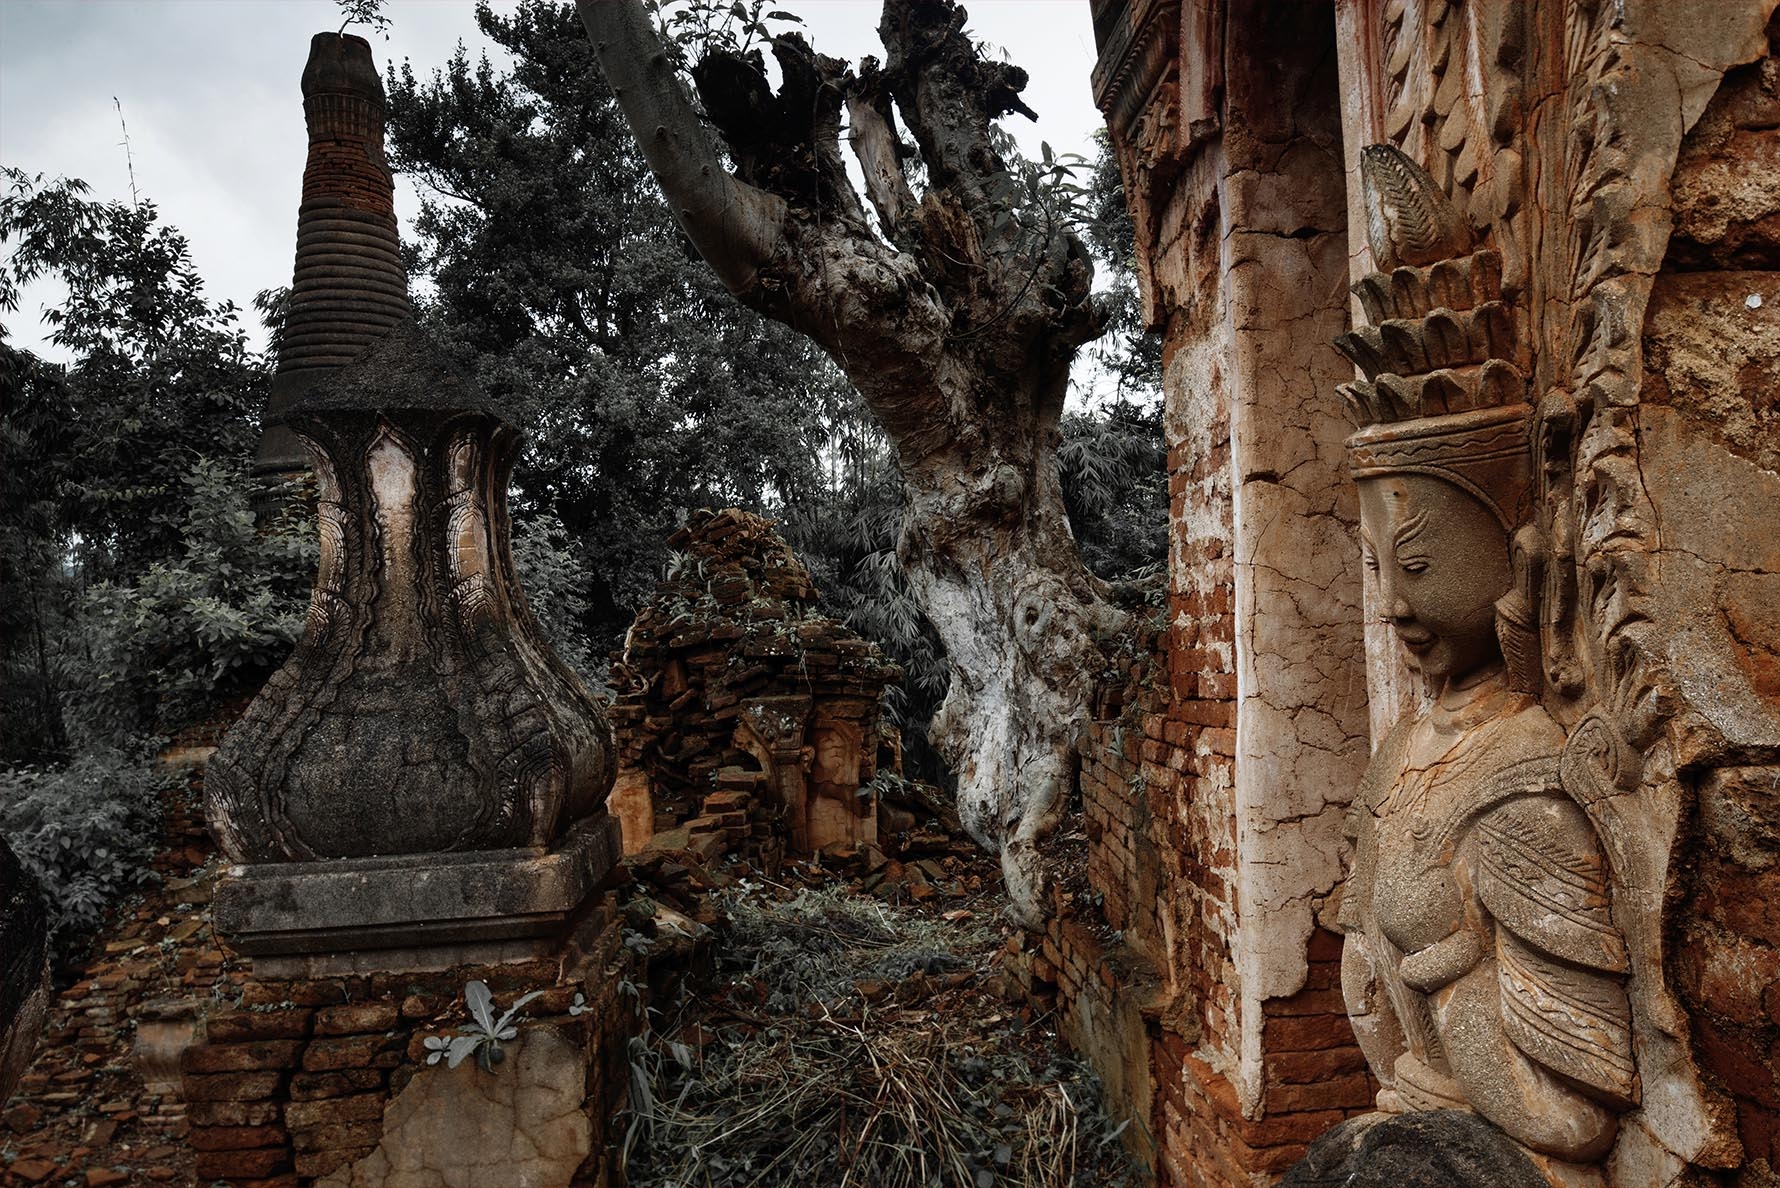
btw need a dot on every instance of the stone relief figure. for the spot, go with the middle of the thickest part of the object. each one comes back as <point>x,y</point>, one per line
<point>1482,969</point>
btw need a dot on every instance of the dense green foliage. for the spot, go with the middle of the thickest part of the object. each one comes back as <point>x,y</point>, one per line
<point>85,830</point>
<point>136,591</point>
<point>550,258</point>
<point>138,594</point>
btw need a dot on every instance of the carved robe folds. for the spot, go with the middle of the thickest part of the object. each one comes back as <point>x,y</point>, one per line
<point>1482,969</point>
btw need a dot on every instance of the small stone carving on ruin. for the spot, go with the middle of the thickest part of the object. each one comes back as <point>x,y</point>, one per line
<point>1483,968</point>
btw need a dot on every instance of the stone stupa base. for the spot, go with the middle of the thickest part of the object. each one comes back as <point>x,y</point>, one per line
<point>414,912</point>
<point>324,1079</point>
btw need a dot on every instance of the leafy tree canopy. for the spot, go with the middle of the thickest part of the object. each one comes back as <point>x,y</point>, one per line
<point>546,252</point>
<point>137,594</point>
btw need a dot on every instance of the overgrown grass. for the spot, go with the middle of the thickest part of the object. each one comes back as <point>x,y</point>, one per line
<point>791,1077</point>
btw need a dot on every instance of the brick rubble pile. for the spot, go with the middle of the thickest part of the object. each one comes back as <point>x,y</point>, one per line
<point>733,639</point>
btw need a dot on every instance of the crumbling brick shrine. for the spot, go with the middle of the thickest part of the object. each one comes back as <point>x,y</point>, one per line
<point>748,719</point>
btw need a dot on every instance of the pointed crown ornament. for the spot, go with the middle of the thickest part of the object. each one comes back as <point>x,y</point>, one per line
<point>1444,392</point>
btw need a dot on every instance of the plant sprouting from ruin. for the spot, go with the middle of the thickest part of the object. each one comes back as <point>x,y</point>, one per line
<point>483,1035</point>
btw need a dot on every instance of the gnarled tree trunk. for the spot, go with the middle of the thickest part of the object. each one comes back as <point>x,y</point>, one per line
<point>957,318</point>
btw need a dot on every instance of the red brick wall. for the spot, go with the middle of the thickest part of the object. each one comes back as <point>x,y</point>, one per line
<point>1147,949</point>
<point>292,1083</point>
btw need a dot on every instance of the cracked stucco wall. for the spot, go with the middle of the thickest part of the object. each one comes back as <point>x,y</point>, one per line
<point>1250,262</point>
<point>1301,722</point>
<point>1301,742</point>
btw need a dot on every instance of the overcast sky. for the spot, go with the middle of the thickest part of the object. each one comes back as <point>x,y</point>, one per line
<point>209,90</point>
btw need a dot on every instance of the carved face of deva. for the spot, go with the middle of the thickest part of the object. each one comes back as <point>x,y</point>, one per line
<point>1441,560</point>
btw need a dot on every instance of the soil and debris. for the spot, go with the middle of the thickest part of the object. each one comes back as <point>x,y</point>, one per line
<point>845,1032</point>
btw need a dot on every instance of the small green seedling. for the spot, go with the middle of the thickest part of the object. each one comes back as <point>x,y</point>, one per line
<point>482,1035</point>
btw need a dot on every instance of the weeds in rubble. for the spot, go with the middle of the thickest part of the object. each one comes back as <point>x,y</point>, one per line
<point>483,1035</point>
<point>850,1043</point>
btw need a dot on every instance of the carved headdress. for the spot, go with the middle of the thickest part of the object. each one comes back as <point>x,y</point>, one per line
<point>1444,393</point>
<point>1445,387</point>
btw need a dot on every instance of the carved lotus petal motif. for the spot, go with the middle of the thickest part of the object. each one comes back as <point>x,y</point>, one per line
<point>1405,351</point>
<point>1445,392</point>
<point>1446,339</point>
<point>1499,383</point>
<point>1360,402</point>
<point>1484,270</point>
<point>1449,284</point>
<point>1365,347</point>
<point>1409,293</point>
<point>1401,397</point>
<point>1374,292</point>
<point>1492,332</point>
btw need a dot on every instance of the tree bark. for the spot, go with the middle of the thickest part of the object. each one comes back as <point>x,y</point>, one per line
<point>957,318</point>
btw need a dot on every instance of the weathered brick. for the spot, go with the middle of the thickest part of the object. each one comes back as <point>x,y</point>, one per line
<point>235,1138</point>
<point>354,1051</point>
<point>1326,1001</point>
<point>1324,945</point>
<point>315,1164</point>
<point>345,1136</point>
<point>1270,1160</point>
<point>1347,1092</point>
<point>233,1113</point>
<point>249,1057</point>
<point>1279,1129</point>
<point>302,1115</point>
<point>306,1086</point>
<point>1305,1068</point>
<point>420,1006</point>
<point>1216,1087</point>
<point>1736,1056</point>
<point>1306,1033</point>
<point>242,1086</point>
<point>240,1165</point>
<point>356,1018</point>
<point>234,1027</point>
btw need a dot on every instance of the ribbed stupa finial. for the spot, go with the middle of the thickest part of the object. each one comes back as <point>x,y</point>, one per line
<point>349,286</point>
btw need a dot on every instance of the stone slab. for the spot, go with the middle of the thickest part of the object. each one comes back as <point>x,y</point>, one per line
<point>414,911</point>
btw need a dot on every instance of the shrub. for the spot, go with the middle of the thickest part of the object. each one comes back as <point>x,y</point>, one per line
<point>85,831</point>
<point>199,628</point>
<point>556,576</point>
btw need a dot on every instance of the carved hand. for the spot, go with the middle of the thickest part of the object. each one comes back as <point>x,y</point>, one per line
<point>1442,962</point>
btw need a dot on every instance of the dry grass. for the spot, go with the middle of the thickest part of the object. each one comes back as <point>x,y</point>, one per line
<point>787,1075</point>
